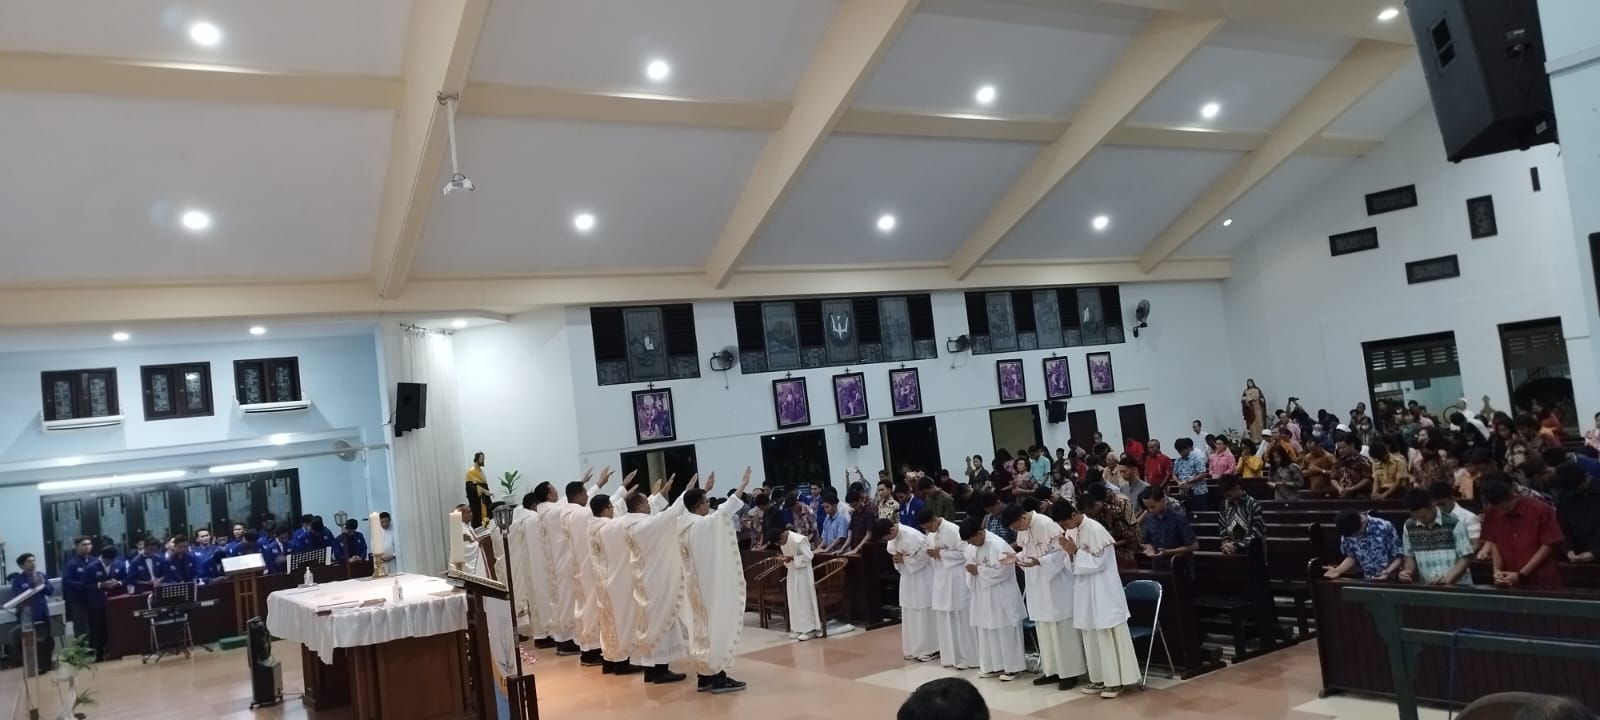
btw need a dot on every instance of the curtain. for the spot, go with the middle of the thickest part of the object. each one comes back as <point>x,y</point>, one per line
<point>428,464</point>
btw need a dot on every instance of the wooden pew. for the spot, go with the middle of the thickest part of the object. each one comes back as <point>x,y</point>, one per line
<point>1180,623</point>
<point>1236,590</point>
<point>1289,548</point>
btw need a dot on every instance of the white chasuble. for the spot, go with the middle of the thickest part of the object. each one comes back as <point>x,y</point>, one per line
<point>658,588</point>
<point>713,586</point>
<point>619,612</point>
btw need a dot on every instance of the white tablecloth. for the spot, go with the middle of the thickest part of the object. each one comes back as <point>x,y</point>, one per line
<point>292,614</point>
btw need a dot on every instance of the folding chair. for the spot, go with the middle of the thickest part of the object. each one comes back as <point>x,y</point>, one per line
<point>1148,591</point>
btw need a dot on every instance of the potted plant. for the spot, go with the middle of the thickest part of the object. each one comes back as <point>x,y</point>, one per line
<point>508,483</point>
<point>73,656</point>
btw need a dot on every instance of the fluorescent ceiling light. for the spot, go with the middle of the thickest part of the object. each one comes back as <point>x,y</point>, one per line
<point>111,480</point>
<point>120,336</point>
<point>1388,14</point>
<point>242,467</point>
<point>70,461</point>
<point>458,324</point>
<point>258,330</point>
<point>278,438</point>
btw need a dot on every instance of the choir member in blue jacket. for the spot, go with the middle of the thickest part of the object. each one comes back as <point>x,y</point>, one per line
<point>207,557</point>
<point>321,528</point>
<point>301,540</point>
<point>275,552</point>
<point>181,565</point>
<point>351,544</point>
<point>30,578</point>
<point>235,540</point>
<point>74,587</point>
<point>104,577</point>
<point>147,569</point>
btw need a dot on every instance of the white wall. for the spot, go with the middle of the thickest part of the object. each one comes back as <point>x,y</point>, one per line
<point>1297,317</point>
<point>527,406</point>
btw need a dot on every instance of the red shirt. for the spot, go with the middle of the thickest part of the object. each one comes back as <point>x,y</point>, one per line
<point>1519,533</point>
<point>1135,450</point>
<point>1157,468</point>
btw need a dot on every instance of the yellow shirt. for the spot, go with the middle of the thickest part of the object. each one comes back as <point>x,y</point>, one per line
<point>1250,466</point>
<point>479,500</point>
<point>1388,473</point>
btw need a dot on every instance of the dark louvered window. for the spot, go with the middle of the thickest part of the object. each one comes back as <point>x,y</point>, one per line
<point>776,335</point>
<point>644,343</point>
<point>1044,318</point>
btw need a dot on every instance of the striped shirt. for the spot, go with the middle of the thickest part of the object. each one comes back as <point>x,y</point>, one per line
<point>1435,548</point>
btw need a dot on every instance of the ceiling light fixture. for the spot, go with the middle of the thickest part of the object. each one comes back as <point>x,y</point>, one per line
<point>278,438</point>
<point>258,330</point>
<point>1210,110</point>
<point>1100,222</point>
<point>985,95</point>
<point>458,182</point>
<point>111,480</point>
<point>1227,222</point>
<point>657,70</point>
<point>886,223</point>
<point>584,222</point>
<point>1388,14</point>
<point>196,220</point>
<point>120,336</point>
<point>205,34</point>
<point>458,324</point>
<point>242,467</point>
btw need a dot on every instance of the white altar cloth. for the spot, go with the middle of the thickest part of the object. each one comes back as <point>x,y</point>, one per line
<point>292,614</point>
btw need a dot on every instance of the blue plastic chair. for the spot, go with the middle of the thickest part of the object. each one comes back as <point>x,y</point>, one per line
<point>1148,591</point>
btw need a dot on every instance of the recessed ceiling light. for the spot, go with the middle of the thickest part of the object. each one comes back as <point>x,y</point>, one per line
<point>1227,222</point>
<point>985,95</point>
<point>278,438</point>
<point>1388,14</point>
<point>886,223</point>
<point>1210,110</point>
<point>120,336</point>
<point>458,324</point>
<point>257,330</point>
<point>657,70</point>
<point>196,220</point>
<point>205,34</point>
<point>584,222</point>
<point>1100,222</point>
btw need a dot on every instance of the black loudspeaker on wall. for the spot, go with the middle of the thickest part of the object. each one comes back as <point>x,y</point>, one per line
<point>410,408</point>
<point>857,432</point>
<point>1485,67</point>
<point>1056,411</point>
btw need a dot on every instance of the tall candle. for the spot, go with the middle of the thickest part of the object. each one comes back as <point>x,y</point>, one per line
<point>458,553</point>
<point>377,534</point>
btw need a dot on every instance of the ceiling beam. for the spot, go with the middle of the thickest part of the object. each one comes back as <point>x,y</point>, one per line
<point>856,40</point>
<point>127,305</point>
<point>1345,18</point>
<point>82,75</point>
<point>543,103</point>
<point>1150,58</point>
<point>440,43</point>
<point>1367,65</point>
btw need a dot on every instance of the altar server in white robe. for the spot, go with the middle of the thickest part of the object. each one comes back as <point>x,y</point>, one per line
<point>908,547</point>
<point>997,609</point>
<point>565,566</point>
<point>657,558</point>
<point>472,561</point>
<point>1099,608</point>
<point>530,566</point>
<point>951,600</point>
<point>619,611</point>
<point>1048,592</point>
<point>713,585</point>
<point>804,619</point>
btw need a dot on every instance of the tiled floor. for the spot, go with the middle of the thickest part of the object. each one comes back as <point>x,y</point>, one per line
<point>861,671</point>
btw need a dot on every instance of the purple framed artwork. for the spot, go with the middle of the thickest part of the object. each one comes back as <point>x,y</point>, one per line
<point>1101,379</point>
<point>850,396</point>
<point>1008,378</point>
<point>790,405</point>
<point>653,419</point>
<point>1057,379</point>
<point>905,391</point>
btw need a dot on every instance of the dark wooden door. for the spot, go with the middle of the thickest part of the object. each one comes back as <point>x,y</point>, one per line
<point>1081,427</point>
<point>794,459</point>
<point>913,442</point>
<point>1134,424</point>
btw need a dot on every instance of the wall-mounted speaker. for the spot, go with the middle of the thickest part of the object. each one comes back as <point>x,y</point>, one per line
<point>410,407</point>
<point>1056,411</point>
<point>857,431</point>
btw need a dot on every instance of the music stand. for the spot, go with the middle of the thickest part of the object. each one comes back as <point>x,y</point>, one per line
<point>170,605</point>
<point>314,558</point>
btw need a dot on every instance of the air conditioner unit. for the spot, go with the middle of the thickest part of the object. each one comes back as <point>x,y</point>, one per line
<point>276,407</point>
<point>82,423</point>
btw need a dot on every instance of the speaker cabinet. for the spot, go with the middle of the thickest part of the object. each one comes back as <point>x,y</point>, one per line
<point>410,407</point>
<point>1056,411</point>
<point>857,431</point>
<point>1485,67</point>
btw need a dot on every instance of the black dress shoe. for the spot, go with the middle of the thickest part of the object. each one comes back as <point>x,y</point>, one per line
<point>544,643</point>
<point>627,668</point>
<point>665,675</point>
<point>568,648</point>
<point>1047,680</point>
<point>704,682</point>
<point>1067,683</point>
<point>591,658</point>
<point>725,684</point>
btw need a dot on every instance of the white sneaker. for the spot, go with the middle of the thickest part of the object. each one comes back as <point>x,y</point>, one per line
<point>1007,677</point>
<point>959,666</point>
<point>1111,692</point>
<point>794,636</point>
<point>804,637</point>
<point>990,674</point>
<point>924,658</point>
<point>1093,688</point>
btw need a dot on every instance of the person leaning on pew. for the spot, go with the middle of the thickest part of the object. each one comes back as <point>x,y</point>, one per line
<point>1369,541</point>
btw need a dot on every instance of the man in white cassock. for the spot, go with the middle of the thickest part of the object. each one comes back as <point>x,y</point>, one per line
<point>530,566</point>
<point>657,566</point>
<point>556,520</point>
<point>997,610</point>
<point>951,601</point>
<point>804,620</point>
<point>1099,608</point>
<point>608,550</point>
<point>713,585</point>
<point>908,547</point>
<point>586,595</point>
<point>1049,595</point>
<point>472,563</point>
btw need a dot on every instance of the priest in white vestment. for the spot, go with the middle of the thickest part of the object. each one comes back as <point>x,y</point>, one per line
<point>619,611</point>
<point>908,547</point>
<point>657,559</point>
<point>570,556</point>
<point>526,562</point>
<point>804,619</point>
<point>468,537</point>
<point>713,586</point>
<point>997,610</point>
<point>1099,608</point>
<point>951,600</point>
<point>1048,592</point>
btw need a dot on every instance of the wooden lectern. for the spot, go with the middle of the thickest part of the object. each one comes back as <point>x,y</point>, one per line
<point>243,571</point>
<point>482,673</point>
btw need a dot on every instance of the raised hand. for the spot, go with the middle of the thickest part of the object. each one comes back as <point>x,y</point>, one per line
<point>655,487</point>
<point>605,476</point>
<point>744,482</point>
<point>628,480</point>
<point>588,474</point>
<point>711,480</point>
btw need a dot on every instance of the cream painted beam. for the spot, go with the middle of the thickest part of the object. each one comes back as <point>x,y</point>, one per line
<point>856,40</point>
<point>542,103</point>
<point>128,305</point>
<point>37,72</point>
<point>440,43</point>
<point>1163,45</point>
<point>1364,68</point>
<point>1347,18</point>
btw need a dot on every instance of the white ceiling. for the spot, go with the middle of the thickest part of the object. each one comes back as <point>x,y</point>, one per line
<point>1255,76</point>
<point>1293,182</point>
